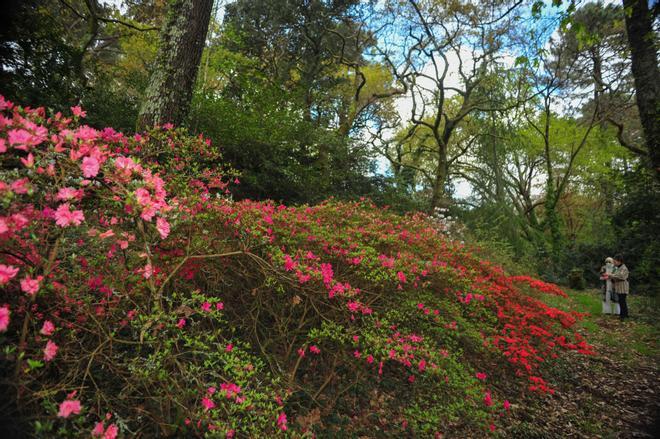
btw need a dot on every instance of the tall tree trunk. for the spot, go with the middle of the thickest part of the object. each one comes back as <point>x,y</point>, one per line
<point>641,38</point>
<point>439,195</point>
<point>171,85</point>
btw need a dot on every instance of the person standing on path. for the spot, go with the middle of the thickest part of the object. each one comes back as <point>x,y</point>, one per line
<point>619,278</point>
<point>610,300</point>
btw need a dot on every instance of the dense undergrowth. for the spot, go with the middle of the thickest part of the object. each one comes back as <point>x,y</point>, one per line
<point>139,300</point>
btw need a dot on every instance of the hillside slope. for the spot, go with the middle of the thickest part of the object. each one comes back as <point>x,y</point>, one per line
<point>138,300</point>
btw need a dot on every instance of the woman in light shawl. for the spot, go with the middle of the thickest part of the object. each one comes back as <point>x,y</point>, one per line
<point>619,278</point>
<point>610,305</point>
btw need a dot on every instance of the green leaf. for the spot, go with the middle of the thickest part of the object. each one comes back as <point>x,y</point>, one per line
<point>34,364</point>
<point>521,60</point>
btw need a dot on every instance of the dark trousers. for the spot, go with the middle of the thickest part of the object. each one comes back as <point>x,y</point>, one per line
<point>624,305</point>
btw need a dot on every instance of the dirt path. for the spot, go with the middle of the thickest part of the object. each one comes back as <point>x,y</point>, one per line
<point>613,394</point>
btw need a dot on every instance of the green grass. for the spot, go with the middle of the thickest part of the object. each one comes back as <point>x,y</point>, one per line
<point>640,334</point>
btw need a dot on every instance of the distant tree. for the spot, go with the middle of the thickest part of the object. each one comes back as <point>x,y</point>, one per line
<point>642,41</point>
<point>424,42</point>
<point>173,77</point>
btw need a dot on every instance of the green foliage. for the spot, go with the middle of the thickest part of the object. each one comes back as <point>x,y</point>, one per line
<point>283,144</point>
<point>576,279</point>
<point>38,64</point>
<point>180,366</point>
<point>637,221</point>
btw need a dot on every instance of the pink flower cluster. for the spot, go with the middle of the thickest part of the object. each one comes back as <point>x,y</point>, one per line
<point>69,407</point>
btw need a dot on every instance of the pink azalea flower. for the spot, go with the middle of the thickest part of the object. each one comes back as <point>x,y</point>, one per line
<point>289,264</point>
<point>126,165</point>
<point>303,278</point>
<point>181,323</point>
<point>20,139</point>
<point>481,376</point>
<point>314,349</point>
<point>422,365</point>
<point>488,400</point>
<point>78,112</point>
<point>163,227</point>
<point>7,272</point>
<point>230,389</point>
<point>4,318</point>
<point>386,262</point>
<point>229,348</point>
<point>50,350</point>
<point>301,352</point>
<point>99,429</point>
<point>111,432</point>
<point>29,161</point>
<point>148,213</point>
<point>507,404</point>
<point>3,226</point>
<point>107,234</point>
<point>327,273</point>
<point>207,403</point>
<point>148,271</point>
<point>219,306</point>
<point>401,276</point>
<point>48,328</point>
<point>281,421</point>
<point>86,133</point>
<point>311,255</point>
<point>67,193</point>
<point>64,216</point>
<point>206,307</point>
<point>19,221</point>
<point>31,286</point>
<point>21,186</point>
<point>5,104</point>
<point>69,407</point>
<point>90,167</point>
<point>143,196</point>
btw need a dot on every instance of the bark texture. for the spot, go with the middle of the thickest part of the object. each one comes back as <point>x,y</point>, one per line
<point>641,38</point>
<point>171,84</point>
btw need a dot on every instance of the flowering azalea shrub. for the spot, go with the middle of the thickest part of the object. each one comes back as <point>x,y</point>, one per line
<point>138,299</point>
<point>84,321</point>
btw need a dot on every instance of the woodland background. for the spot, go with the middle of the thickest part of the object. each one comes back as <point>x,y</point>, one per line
<point>519,117</point>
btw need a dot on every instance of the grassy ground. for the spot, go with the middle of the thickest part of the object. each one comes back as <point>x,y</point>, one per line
<point>639,335</point>
<point>613,394</point>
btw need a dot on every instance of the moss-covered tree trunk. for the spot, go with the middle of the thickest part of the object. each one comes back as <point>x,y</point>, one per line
<point>641,38</point>
<point>171,85</point>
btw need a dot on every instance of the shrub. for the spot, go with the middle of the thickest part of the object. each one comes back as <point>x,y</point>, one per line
<point>576,279</point>
<point>138,299</point>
